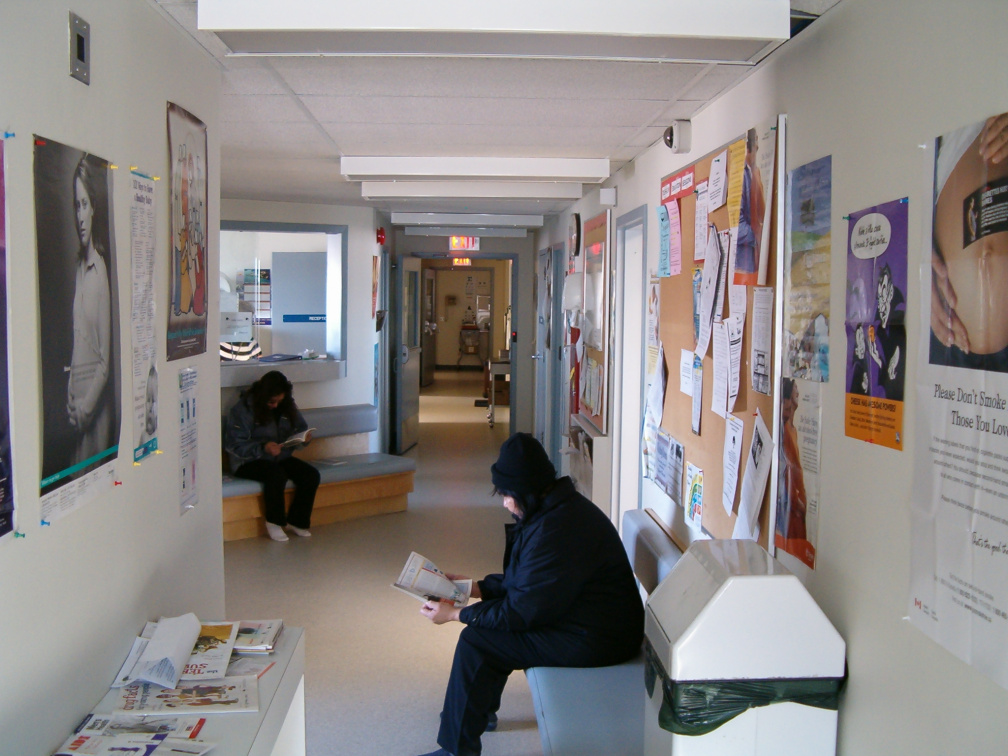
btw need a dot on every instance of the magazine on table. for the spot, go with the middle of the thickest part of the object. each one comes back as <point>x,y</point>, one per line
<point>101,734</point>
<point>257,636</point>
<point>211,651</point>
<point>237,694</point>
<point>422,579</point>
<point>249,666</point>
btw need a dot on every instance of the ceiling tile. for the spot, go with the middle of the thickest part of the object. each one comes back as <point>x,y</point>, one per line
<point>261,108</point>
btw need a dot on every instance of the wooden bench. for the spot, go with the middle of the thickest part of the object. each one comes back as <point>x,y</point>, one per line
<point>353,485</point>
<point>599,711</point>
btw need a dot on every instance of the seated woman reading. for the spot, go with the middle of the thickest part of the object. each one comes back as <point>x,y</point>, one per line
<point>257,426</point>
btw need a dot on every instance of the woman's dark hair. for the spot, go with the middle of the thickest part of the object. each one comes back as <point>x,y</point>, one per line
<point>272,384</point>
<point>787,387</point>
<point>88,173</point>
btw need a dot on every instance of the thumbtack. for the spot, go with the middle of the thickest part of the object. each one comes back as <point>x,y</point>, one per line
<point>922,146</point>
<point>8,134</point>
<point>136,464</point>
<point>134,167</point>
<point>19,534</point>
<point>39,143</point>
<point>156,178</point>
<point>118,483</point>
<point>113,166</point>
<point>158,451</point>
<point>846,217</point>
<point>904,200</point>
<point>45,522</point>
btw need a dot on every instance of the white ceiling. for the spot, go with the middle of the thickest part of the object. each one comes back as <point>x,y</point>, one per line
<point>287,121</point>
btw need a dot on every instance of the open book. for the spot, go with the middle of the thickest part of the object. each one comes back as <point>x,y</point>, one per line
<point>422,579</point>
<point>298,438</point>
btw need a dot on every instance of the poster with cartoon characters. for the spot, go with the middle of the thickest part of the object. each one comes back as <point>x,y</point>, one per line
<point>959,501</point>
<point>187,311</point>
<point>876,324</point>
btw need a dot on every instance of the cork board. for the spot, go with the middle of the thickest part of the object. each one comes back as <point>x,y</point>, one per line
<point>677,332</point>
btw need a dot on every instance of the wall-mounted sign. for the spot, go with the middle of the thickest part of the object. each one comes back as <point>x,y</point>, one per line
<point>463,243</point>
<point>461,262</point>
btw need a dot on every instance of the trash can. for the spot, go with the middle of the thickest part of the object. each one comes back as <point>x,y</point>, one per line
<point>740,659</point>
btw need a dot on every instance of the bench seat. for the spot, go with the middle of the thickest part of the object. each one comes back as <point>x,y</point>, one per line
<point>353,486</point>
<point>599,711</point>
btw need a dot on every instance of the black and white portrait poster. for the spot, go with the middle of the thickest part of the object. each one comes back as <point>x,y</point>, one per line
<point>187,313</point>
<point>79,322</point>
<point>6,480</point>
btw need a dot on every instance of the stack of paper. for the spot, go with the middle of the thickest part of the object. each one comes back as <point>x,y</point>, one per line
<point>257,636</point>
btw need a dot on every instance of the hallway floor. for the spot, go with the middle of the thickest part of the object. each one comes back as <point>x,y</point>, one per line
<point>375,669</point>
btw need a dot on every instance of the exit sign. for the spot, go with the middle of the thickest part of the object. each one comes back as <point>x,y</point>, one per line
<point>461,261</point>
<point>463,243</point>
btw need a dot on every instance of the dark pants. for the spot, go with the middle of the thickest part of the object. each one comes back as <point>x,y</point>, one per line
<point>483,661</point>
<point>274,476</point>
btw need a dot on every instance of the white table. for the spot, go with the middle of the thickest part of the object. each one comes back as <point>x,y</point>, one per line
<point>278,728</point>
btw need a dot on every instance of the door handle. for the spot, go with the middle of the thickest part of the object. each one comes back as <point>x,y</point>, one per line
<point>405,354</point>
<point>537,356</point>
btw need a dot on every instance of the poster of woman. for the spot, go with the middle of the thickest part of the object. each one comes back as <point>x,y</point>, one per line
<point>187,313</point>
<point>78,317</point>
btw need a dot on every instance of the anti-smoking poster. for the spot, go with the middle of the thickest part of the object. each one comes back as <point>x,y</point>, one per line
<point>959,500</point>
<point>876,324</point>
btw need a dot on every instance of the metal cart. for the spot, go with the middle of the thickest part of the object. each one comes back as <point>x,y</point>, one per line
<point>496,368</point>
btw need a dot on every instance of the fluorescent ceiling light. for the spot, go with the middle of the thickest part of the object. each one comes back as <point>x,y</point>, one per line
<point>466,219</point>
<point>569,190</point>
<point>685,30</point>
<point>585,170</point>
<point>517,233</point>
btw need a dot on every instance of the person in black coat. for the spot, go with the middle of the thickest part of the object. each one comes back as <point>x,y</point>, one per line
<point>567,596</point>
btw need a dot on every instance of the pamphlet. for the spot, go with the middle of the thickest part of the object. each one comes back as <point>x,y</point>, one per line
<point>422,579</point>
<point>238,694</point>
<point>299,438</point>
<point>107,734</point>
<point>161,658</point>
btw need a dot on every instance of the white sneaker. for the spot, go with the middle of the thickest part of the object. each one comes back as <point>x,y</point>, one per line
<point>276,532</point>
<point>303,532</point>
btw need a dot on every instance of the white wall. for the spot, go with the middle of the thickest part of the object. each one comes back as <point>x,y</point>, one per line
<point>357,387</point>
<point>74,594</point>
<point>868,83</point>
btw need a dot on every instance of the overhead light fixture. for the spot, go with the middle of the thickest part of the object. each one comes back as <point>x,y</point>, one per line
<point>513,233</point>
<point>466,219</point>
<point>552,190</point>
<point>585,170</point>
<point>722,31</point>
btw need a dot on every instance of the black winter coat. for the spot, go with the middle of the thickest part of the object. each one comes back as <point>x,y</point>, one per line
<point>565,569</point>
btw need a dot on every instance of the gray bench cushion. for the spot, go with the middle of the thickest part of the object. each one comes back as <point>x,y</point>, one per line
<point>342,421</point>
<point>333,470</point>
<point>599,711</point>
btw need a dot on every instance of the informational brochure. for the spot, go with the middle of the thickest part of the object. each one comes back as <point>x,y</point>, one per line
<point>717,183</point>
<point>754,480</point>
<point>735,326</point>
<point>762,338</point>
<point>700,227</point>
<point>732,454</point>
<point>211,651</point>
<point>686,372</point>
<point>188,437</point>
<point>797,520</point>
<point>719,380</point>
<point>675,238</point>
<point>656,390</point>
<point>664,242</point>
<point>708,292</point>
<point>422,579</point>
<point>694,496</point>
<point>142,321</point>
<point>697,393</point>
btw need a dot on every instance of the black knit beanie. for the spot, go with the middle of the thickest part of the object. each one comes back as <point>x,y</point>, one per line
<point>523,466</point>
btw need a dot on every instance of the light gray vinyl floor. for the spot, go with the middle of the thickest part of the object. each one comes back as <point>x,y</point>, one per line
<point>375,669</point>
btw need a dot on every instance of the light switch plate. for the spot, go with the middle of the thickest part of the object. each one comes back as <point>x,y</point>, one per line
<point>80,49</point>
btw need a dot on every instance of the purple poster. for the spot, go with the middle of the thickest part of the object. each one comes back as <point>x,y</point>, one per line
<point>876,323</point>
<point>6,483</point>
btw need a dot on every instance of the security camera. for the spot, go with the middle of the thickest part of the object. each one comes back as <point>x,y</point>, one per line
<point>677,136</point>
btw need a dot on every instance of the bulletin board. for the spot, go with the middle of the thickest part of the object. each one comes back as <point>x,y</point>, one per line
<point>676,331</point>
<point>594,373</point>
